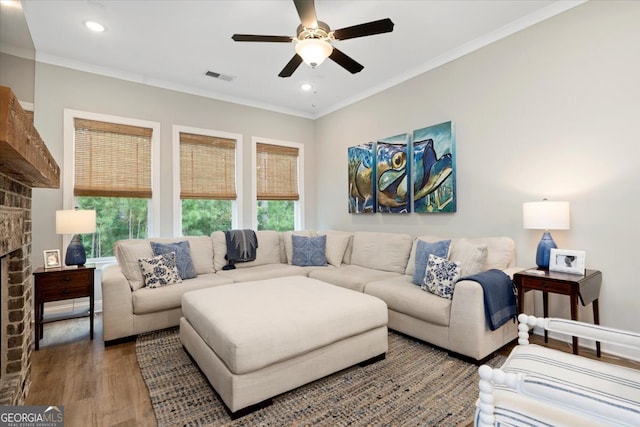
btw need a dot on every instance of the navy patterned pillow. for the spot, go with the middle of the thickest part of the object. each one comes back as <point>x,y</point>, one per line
<point>183,256</point>
<point>441,276</point>
<point>309,250</point>
<point>161,270</point>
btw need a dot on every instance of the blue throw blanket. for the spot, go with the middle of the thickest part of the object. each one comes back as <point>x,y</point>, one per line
<point>499,296</point>
<point>241,247</point>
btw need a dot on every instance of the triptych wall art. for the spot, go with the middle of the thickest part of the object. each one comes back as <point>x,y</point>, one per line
<point>405,173</point>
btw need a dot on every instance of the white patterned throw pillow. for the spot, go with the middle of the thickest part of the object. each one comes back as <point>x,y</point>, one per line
<point>440,276</point>
<point>161,270</point>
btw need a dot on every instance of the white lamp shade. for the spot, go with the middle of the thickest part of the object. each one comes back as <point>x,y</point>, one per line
<point>313,51</point>
<point>75,221</point>
<point>545,215</point>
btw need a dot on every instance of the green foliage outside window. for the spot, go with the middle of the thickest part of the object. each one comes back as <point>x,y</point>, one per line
<point>203,217</point>
<point>120,218</point>
<point>116,218</point>
<point>276,215</point>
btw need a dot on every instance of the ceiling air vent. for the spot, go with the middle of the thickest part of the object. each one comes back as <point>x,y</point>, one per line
<point>225,77</point>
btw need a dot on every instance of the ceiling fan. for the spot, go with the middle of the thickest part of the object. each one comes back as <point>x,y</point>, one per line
<point>313,39</point>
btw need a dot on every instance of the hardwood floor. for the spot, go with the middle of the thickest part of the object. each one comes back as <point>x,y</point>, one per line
<point>97,386</point>
<point>101,386</point>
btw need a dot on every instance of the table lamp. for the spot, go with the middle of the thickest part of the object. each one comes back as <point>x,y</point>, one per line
<point>76,222</point>
<point>545,215</point>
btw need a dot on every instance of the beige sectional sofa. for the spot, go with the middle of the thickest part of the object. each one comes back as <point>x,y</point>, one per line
<point>379,264</point>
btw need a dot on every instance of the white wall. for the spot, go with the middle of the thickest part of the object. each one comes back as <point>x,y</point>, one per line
<point>18,73</point>
<point>552,111</point>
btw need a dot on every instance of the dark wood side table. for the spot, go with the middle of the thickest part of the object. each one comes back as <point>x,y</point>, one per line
<point>586,287</point>
<point>56,284</point>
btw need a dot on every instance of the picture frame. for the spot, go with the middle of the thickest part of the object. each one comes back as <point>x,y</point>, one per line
<point>52,258</point>
<point>567,261</point>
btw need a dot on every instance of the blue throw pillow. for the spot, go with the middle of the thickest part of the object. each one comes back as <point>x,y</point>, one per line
<point>309,250</point>
<point>423,250</point>
<point>183,256</point>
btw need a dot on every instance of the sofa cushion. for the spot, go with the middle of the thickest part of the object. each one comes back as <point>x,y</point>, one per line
<point>288,245</point>
<point>348,276</point>
<point>501,251</point>
<point>201,248</point>
<point>402,296</point>
<point>309,251</point>
<point>186,270</point>
<point>160,270</point>
<point>440,276</point>
<point>267,271</point>
<point>337,242</point>
<point>381,251</point>
<point>423,250</point>
<point>471,256</point>
<point>148,300</point>
<point>127,253</point>
<point>268,251</point>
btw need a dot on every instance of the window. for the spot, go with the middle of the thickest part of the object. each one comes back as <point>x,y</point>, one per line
<point>206,182</point>
<point>111,172</point>
<point>278,182</point>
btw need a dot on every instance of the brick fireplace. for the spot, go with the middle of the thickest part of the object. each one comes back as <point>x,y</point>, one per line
<point>25,163</point>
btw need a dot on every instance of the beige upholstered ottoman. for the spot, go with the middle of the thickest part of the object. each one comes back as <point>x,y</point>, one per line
<point>255,340</point>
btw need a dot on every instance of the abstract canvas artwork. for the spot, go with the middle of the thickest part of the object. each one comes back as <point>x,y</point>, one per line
<point>393,174</point>
<point>362,170</point>
<point>405,173</point>
<point>434,174</point>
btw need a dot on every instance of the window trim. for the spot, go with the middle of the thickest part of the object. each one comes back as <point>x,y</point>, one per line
<point>298,210</point>
<point>69,201</point>
<point>236,205</point>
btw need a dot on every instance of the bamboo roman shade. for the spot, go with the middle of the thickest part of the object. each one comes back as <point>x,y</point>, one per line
<point>207,167</point>
<point>112,160</point>
<point>277,172</point>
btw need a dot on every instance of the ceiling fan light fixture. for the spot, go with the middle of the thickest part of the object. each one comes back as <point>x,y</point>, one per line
<point>314,51</point>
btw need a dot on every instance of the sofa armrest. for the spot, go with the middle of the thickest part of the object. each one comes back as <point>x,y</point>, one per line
<point>512,270</point>
<point>468,330</point>
<point>117,304</point>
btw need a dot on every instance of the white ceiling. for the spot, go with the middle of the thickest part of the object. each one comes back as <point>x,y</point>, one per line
<point>172,44</point>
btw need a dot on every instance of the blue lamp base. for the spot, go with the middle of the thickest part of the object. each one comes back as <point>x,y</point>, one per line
<point>544,250</point>
<point>76,254</point>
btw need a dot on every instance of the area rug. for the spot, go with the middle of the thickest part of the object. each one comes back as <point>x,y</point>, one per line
<point>416,385</point>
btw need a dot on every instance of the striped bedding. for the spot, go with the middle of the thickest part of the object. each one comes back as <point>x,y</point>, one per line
<point>565,389</point>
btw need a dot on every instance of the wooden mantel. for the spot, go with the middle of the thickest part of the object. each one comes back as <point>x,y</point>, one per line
<point>23,154</point>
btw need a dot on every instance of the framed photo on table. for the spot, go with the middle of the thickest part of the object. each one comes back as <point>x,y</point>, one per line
<point>52,258</point>
<point>567,261</point>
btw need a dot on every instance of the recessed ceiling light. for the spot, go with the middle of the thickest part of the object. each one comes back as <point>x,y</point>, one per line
<point>306,87</point>
<point>94,26</point>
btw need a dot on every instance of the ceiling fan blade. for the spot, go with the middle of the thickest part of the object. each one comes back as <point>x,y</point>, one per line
<point>256,38</point>
<point>291,66</point>
<point>345,61</point>
<point>367,29</point>
<point>307,12</point>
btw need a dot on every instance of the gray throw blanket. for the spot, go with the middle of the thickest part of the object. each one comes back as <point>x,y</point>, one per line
<point>241,247</point>
<point>499,296</point>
